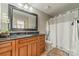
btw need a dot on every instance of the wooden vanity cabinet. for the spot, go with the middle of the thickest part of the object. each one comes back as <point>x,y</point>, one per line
<point>7,48</point>
<point>41,44</point>
<point>30,46</point>
<point>26,47</point>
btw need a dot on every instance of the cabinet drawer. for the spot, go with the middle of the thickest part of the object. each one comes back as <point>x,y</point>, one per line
<point>42,43</point>
<point>21,41</point>
<point>5,49</point>
<point>42,46</point>
<point>42,37</point>
<point>5,44</point>
<point>42,50</point>
<point>7,53</point>
<point>41,40</point>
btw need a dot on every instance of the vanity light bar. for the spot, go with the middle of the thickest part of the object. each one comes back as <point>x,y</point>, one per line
<point>20,4</point>
<point>30,8</point>
<point>26,6</point>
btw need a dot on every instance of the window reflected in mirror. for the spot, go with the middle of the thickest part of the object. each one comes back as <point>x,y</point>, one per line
<point>23,20</point>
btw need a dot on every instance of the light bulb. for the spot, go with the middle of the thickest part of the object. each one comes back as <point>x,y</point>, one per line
<point>20,4</point>
<point>30,8</point>
<point>26,6</point>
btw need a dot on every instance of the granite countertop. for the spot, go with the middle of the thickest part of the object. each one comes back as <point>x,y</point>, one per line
<point>17,36</point>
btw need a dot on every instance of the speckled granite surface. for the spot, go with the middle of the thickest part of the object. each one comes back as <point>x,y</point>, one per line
<point>17,36</point>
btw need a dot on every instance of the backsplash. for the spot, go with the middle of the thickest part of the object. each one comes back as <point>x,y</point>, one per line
<point>24,33</point>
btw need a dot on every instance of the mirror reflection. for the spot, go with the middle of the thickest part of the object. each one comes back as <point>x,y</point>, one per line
<point>22,20</point>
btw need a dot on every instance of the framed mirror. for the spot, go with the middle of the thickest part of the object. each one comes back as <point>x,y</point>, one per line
<point>21,19</point>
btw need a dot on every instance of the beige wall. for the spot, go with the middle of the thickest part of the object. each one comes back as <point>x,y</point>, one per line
<point>0,16</point>
<point>4,17</point>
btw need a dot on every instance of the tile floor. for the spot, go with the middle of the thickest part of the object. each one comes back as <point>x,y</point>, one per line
<point>54,52</point>
<point>45,53</point>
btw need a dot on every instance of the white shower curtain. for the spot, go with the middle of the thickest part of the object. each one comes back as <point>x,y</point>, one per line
<point>64,33</point>
<point>75,40</point>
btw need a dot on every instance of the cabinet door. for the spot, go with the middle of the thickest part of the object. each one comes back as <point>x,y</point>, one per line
<point>29,50</point>
<point>23,51</point>
<point>8,53</point>
<point>41,44</point>
<point>7,48</point>
<point>38,49</point>
<point>21,47</point>
<point>33,47</point>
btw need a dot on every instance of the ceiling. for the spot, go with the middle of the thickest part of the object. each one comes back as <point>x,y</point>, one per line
<point>54,9</point>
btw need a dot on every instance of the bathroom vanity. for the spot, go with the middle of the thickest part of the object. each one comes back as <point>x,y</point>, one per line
<point>22,43</point>
<point>33,45</point>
